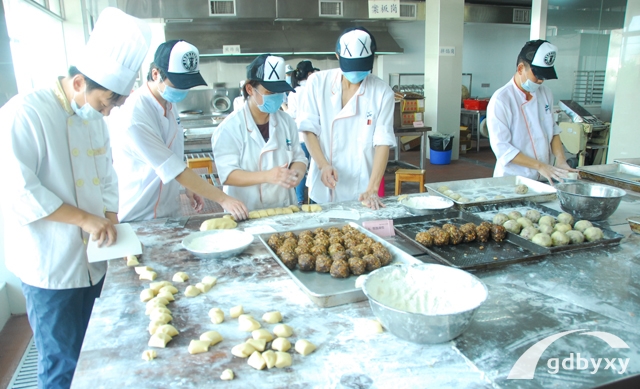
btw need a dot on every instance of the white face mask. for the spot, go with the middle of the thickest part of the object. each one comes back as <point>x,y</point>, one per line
<point>86,112</point>
<point>529,85</point>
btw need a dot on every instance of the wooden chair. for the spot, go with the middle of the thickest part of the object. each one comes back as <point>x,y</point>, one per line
<point>409,175</point>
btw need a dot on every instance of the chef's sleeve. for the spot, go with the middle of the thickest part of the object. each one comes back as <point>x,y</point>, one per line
<point>24,148</point>
<point>500,136</point>
<point>228,148</point>
<point>308,113</point>
<point>147,145</point>
<point>296,149</point>
<point>383,132</point>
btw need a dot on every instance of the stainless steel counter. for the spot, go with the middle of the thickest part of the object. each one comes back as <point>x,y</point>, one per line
<point>591,290</point>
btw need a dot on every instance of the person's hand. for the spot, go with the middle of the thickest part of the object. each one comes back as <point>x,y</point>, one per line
<point>197,203</point>
<point>284,177</point>
<point>329,176</point>
<point>370,199</point>
<point>101,229</point>
<point>235,207</point>
<point>554,172</point>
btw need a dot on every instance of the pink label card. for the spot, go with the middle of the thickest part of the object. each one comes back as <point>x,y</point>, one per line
<point>418,124</point>
<point>380,227</point>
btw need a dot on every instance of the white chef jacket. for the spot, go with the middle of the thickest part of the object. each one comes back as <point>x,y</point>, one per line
<point>148,154</point>
<point>517,125</point>
<point>292,107</point>
<point>238,145</point>
<point>50,157</point>
<point>347,135</point>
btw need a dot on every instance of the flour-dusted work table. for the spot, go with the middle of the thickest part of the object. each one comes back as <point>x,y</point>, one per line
<point>589,290</point>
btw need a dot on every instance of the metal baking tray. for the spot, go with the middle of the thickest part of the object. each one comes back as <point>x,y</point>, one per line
<point>487,212</point>
<point>468,255</point>
<point>326,291</point>
<point>634,223</point>
<point>491,187</point>
<point>628,161</point>
<point>616,174</point>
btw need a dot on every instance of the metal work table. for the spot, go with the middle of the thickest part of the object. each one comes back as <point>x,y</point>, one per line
<point>589,290</point>
<point>477,114</point>
<point>418,131</point>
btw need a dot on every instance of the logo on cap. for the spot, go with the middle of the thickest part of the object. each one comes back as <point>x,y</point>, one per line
<point>550,58</point>
<point>190,61</point>
<point>355,44</point>
<point>271,69</point>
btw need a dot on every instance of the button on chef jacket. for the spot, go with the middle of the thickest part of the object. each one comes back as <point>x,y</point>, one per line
<point>347,135</point>
<point>148,154</point>
<point>50,157</point>
<point>517,125</point>
<point>238,145</point>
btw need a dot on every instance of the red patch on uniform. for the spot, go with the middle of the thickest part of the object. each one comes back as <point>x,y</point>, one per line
<point>368,122</point>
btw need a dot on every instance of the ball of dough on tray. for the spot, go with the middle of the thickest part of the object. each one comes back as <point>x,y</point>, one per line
<point>547,220</point>
<point>304,347</point>
<point>227,375</point>
<point>562,227</point>
<point>500,218</point>
<point>480,198</point>
<point>524,222</point>
<point>455,196</point>
<point>464,199</point>
<point>455,236</point>
<point>448,192</point>
<point>498,197</point>
<point>469,231</point>
<point>219,223</point>
<point>533,215</point>
<point>545,229</point>
<point>542,239</point>
<point>483,233</point>
<point>521,189</point>
<point>272,317</point>
<point>582,225</point>
<point>593,234</point>
<point>514,215</point>
<point>372,262</point>
<point>559,238</point>
<point>512,226</point>
<point>443,188</point>
<point>440,237</point>
<point>306,262</point>
<point>529,232</point>
<point>565,218</point>
<point>281,344</point>
<point>283,331</point>
<point>576,236</point>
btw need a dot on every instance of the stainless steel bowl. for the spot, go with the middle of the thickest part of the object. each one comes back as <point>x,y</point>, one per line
<point>217,244</point>
<point>425,204</point>
<point>423,327</point>
<point>589,201</point>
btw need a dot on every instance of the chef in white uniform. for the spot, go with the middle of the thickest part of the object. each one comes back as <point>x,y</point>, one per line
<point>346,115</point>
<point>522,132</point>
<point>60,188</point>
<point>148,142</point>
<point>256,148</point>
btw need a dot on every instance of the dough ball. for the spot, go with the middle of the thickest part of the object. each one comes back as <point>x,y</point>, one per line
<point>448,192</point>
<point>500,218</point>
<point>562,227</point>
<point>593,234</point>
<point>159,340</point>
<point>236,311</point>
<point>198,346</point>
<point>533,215</point>
<point>157,311</point>
<point>253,215</point>
<point>191,291</point>
<point>340,269</point>
<point>149,355</point>
<point>146,295</point>
<point>220,223</point>
<point>498,197</point>
<point>576,236</point>
<point>541,239</point>
<point>279,211</point>
<point>582,225</point>
<point>210,280</point>
<point>132,260</point>
<point>547,220</point>
<point>262,334</point>
<point>272,317</point>
<point>283,331</point>
<point>270,358</point>
<point>522,189</point>
<point>142,269</point>
<point>524,222</point>
<point>512,226</point>
<point>248,324</point>
<point>304,347</point>
<point>315,208</point>
<point>559,238</point>
<point>282,359</point>
<point>148,275</point>
<point>514,215</point>
<point>443,188</point>
<point>287,211</point>
<point>281,344</point>
<point>306,208</point>
<point>464,199</point>
<point>180,277</point>
<point>455,196</point>
<point>294,208</point>
<point>156,301</point>
<point>166,295</point>
<point>481,198</point>
<point>545,229</point>
<point>258,344</point>
<point>565,218</point>
<point>369,327</point>
<point>529,232</point>
<point>424,238</point>
<point>160,317</point>
<point>213,337</point>
<point>167,329</point>
<point>227,375</point>
<point>271,212</point>
<point>242,350</point>
<point>168,289</point>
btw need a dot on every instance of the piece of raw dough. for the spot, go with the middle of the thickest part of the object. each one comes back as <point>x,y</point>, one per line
<point>271,212</point>
<point>304,347</point>
<point>258,344</point>
<point>209,280</point>
<point>576,236</point>
<point>287,211</point>
<point>155,311</point>
<point>562,227</point>
<point>132,260</point>
<point>163,318</point>
<point>149,355</point>
<point>142,269</point>
<point>464,199</point>
<point>522,189</point>
<point>443,189</point>
<point>262,213</point>
<point>236,311</point>
<point>281,344</point>
<point>447,192</point>
<point>565,218</point>
<point>480,198</point>
<point>559,238</point>
<point>262,334</point>
<point>254,215</point>
<point>272,317</point>
<point>180,277</point>
<point>529,232</point>
<point>230,217</point>
<point>533,215</point>
<point>514,215</point>
<point>278,211</point>
<point>256,361</point>
<point>500,218</point>
<point>294,208</point>
<point>157,301</point>
<point>512,226</point>
<point>315,208</point>
<point>582,225</point>
<point>216,315</point>
<point>248,324</point>
<point>227,375</point>
<point>524,222</point>
<point>593,234</point>
<point>545,229</point>
<point>270,358</point>
<point>156,286</point>
<point>219,223</point>
<point>191,291</point>
<point>146,295</point>
<point>547,220</point>
<point>283,331</point>
<point>542,239</point>
<point>213,337</point>
<point>242,350</point>
<point>203,288</point>
<point>370,327</point>
<point>148,275</point>
<point>154,325</point>
<point>455,196</point>
<point>166,295</point>
<point>167,329</point>
<point>282,359</point>
<point>198,346</point>
<point>168,289</point>
<point>498,197</point>
<point>306,208</point>
<point>159,340</point>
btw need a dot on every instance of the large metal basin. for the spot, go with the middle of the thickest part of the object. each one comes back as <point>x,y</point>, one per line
<point>589,201</point>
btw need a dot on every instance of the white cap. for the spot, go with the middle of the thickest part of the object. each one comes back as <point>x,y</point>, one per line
<point>115,51</point>
<point>356,49</point>
<point>545,55</point>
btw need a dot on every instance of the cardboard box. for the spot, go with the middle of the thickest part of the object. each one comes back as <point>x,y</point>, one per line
<point>412,105</point>
<point>409,118</point>
<point>410,142</point>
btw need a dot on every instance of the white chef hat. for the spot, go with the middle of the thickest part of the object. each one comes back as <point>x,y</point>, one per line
<point>115,51</point>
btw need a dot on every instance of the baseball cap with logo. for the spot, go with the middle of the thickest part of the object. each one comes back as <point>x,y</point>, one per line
<point>356,48</point>
<point>540,55</point>
<point>180,60</point>
<point>269,71</point>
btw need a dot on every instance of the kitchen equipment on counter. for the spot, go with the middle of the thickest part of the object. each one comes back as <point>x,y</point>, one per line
<point>625,176</point>
<point>634,223</point>
<point>425,204</point>
<point>325,290</point>
<point>220,102</point>
<point>628,161</point>
<point>589,201</point>
<point>584,134</point>
<point>450,298</point>
<point>217,244</point>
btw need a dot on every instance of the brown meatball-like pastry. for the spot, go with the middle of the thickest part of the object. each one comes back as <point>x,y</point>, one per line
<point>368,241</point>
<point>469,231</point>
<point>333,230</point>
<point>321,241</point>
<point>498,233</point>
<point>289,234</point>
<point>350,242</point>
<point>285,248</point>
<point>319,230</point>
<point>486,224</point>
<point>467,226</point>
<point>323,264</point>
<point>372,261</point>
<point>335,247</point>
<point>441,238</point>
<point>456,236</point>
<point>448,227</point>
<point>317,250</point>
<point>359,236</point>
<point>383,255</point>
<point>302,249</point>
<point>376,245</point>
<point>289,260</point>
<point>483,233</point>
<point>306,262</point>
<point>274,241</point>
<point>364,249</point>
<point>333,239</point>
<point>340,269</point>
<point>434,230</point>
<point>306,233</point>
<point>305,241</point>
<point>346,228</point>
<point>424,238</point>
<point>292,241</point>
<point>357,266</point>
<point>340,256</point>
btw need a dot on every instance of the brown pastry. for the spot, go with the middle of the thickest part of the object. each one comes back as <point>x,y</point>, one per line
<point>305,240</point>
<point>291,241</point>
<point>333,239</point>
<point>383,255</point>
<point>368,241</point>
<point>441,237</point>
<point>306,262</point>
<point>424,238</point>
<point>448,227</point>
<point>434,230</point>
<point>285,248</point>
<point>319,230</point>
<point>340,256</point>
<point>306,233</point>
<point>335,247</point>
<point>376,245</point>
<point>317,250</point>
<point>340,269</point>
<point>357,266</point>
<point>363,249</point>
<point>302,249</point>
<point>469,231</point>
<point>372,261</point>
<point>333,231</point>
<point>274,241</point>
<point>289,260</point>
<point>350,242</point>
<point>483,233</point>
<point>486,224</point>
<point>346,228</point>
<point>289,234</point>
<point>498,232</point>
<point>321,241</point>
<point>323,264</point>
<point>456,236</point>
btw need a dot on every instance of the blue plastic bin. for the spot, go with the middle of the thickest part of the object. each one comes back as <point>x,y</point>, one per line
<point>440,157</point>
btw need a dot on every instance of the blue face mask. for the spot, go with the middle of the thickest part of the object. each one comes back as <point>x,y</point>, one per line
<point>288,79</point>
<point>357,76</point>
<point>270,103</point>
<point>173,95</point>
<point>86,112</point>
<point>529,85</point>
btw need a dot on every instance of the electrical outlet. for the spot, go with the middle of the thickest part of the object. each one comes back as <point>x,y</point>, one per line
<point>485,85</point>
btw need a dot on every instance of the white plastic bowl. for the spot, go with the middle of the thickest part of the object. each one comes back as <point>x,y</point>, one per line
<point>216,244</point>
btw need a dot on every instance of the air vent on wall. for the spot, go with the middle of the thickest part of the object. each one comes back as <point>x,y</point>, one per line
<point>222,7</point>
<point>330,9</point>
<point>408,11</point>
<point>521,15</point>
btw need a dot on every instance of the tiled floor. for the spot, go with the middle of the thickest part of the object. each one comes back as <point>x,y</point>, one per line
<point>14,338</point>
